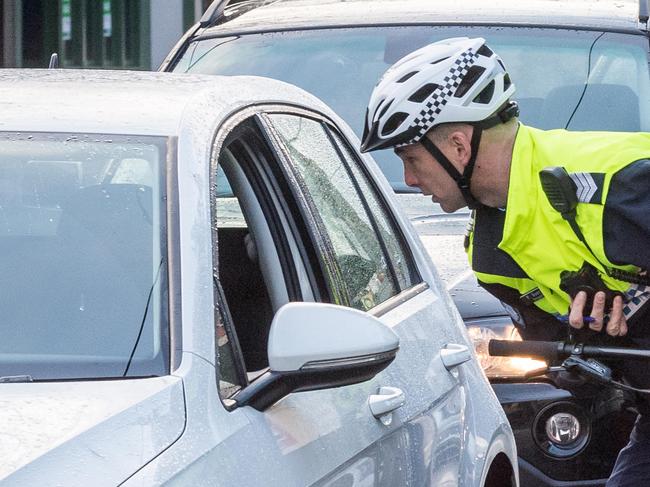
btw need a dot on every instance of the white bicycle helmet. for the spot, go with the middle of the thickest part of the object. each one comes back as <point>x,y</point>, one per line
<point>455,80</point>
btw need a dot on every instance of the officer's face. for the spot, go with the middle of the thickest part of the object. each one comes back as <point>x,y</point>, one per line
<point>421,170</point>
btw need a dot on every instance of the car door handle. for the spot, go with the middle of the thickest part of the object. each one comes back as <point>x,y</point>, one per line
<point>386,400</point>
<point>453,355</point>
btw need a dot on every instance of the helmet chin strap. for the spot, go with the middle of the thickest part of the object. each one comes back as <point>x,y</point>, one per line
<point>462,180</point>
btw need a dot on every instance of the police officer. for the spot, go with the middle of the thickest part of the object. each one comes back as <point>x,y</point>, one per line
<point>554,211</point>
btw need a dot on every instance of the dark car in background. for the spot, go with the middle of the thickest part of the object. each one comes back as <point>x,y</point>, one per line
<point>577,64</point>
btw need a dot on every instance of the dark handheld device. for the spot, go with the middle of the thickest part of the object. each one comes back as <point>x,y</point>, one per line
<point>560,190</point>
<point>588,280</point>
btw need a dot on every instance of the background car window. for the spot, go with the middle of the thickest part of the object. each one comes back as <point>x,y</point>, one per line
<point>82,253</point>
<point>229,212</point>
<point>397,253</point>
<point>367,273</point>
<point>550,68</point>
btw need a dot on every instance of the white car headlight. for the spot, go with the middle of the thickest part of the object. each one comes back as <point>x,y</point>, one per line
<point>501,328</point>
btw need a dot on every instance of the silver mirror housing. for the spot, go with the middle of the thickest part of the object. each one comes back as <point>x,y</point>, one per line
<point>314,335</point>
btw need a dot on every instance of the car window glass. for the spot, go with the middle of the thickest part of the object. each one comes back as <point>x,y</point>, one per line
<point>83,256</point>
<point>397,252</point>
<point>230,380</point>
<point>548,66</point>
<point>365,269</point>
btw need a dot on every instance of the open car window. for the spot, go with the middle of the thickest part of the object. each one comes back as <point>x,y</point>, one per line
<point>294,219</point>
<point>254,267</point>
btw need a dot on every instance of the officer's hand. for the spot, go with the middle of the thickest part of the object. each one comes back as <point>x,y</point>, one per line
<point>616,326</point>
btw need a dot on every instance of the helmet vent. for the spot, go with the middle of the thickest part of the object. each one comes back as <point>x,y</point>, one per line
<point>473,74</point>
<point>407,76</point>
<point>485,96</point>
<point>385,108</point>
<point>506,82</point>
<point>439,60</point>
<point>485,51</point>
<point>423,92</point>
<point>393,123</point>
<point>501,64</point>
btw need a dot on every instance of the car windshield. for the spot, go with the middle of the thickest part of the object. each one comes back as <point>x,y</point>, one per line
<point>82,252</point>
<point>550,68</point>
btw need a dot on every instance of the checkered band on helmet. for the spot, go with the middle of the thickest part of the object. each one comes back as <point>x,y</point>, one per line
<point>427,117</point>
<point>454,80</point>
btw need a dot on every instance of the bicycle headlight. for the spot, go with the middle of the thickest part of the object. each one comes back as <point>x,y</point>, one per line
<point>482,331</point>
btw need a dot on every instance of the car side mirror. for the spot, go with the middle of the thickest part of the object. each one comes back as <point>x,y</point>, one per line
<point>318,346</point>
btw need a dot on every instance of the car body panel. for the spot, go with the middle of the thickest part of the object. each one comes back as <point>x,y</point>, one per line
<point>74,434</point>
<point>140,103</point>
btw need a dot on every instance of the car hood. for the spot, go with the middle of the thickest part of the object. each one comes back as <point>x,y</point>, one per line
<point>472,300</point>
<point>443,238</point>
<point>75,433</point>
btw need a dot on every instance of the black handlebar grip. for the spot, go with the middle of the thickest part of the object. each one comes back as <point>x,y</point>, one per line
<point>526,348</point>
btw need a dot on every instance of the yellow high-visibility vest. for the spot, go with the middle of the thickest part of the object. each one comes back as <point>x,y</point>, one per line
<point>535,235</point>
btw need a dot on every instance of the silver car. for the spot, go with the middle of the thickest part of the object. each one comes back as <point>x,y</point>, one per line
<point>577,64</point>
<point>204,283</point>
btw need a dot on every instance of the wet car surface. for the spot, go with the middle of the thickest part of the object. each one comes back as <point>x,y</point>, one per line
<point>204,283</point>
<point>577,64</point>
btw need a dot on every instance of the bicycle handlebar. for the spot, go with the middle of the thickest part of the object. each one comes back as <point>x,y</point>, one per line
<point>557,350</point>
<point>533,349</point>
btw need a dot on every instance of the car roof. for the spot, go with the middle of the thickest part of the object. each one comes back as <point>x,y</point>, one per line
<point>271,15</point>
<point>131,102</point>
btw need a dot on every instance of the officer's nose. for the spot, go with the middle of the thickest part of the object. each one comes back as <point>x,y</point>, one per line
<point>409,178</point>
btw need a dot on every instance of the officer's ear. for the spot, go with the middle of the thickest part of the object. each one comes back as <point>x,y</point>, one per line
<point>459,145</point>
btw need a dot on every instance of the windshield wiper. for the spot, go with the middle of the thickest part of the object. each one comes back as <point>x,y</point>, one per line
<point>144,319</point>
<point>584,89</point>
<point>16,378</point>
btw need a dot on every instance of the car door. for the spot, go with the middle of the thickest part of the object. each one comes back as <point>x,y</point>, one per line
<point>373,269</point>
<point>298,218</point>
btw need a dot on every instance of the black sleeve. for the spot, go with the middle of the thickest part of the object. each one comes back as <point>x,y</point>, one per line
<point>626,217</point>
<point>532,322</point>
